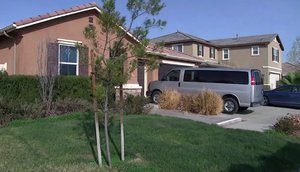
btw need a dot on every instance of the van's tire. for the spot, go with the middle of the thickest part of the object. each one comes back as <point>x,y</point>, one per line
<point>155,96</point>
<point>231,106</point>
<point>266,101</point>
<point>243,108</point>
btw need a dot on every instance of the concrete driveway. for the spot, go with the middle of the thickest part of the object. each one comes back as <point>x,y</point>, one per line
<point>255,118</point>
<point>260,118</point>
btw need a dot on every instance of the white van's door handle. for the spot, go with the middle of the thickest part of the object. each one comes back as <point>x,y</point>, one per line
<point>178,84</point>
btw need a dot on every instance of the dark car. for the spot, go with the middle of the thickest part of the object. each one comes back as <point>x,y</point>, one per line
<point>286,95</point>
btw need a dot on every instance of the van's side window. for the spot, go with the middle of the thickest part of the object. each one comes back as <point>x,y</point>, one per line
<point>173,75</point>
<point>225,77</point>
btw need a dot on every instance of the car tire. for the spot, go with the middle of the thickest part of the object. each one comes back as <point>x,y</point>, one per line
<point>265,101</point>
<point>243,108</point>
<point>155,96</point>
<point>230,105</point>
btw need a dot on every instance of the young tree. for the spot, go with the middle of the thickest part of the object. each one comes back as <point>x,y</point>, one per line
<point>294,54</point>
<point>46,77</point>
<point>117,57</point>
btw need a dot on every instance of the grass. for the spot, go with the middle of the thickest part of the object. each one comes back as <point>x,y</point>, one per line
<point>153,143</point>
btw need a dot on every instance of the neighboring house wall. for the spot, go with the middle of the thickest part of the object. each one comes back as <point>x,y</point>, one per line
<point>6,53</point>
<point>241,57</point>
<point>191,48</point>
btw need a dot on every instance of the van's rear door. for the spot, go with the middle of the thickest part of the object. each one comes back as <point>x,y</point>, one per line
<point>256,87</point>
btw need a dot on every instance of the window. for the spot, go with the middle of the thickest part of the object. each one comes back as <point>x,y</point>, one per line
<point>200,51</point>
<point>68,60</point>
<point>178,47</point>
<point>285,88</point>
<point>173,75</point>
<point>275,55</point>
<point>225,53</point>
<point>254,50</point>
<point>212,53</point>
<point>210,76</point>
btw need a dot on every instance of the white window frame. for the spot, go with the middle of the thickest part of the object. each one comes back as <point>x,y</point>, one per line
<point>214,52</point>
<point>176,49</point>
<point>3,67</point>
<point>252,50</point>
<point>275,61</point>
<point>223,54</point>
<point>69,44</point>
<point>200,50</point>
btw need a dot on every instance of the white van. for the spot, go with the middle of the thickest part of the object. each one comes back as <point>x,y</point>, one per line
<point>239,88</point>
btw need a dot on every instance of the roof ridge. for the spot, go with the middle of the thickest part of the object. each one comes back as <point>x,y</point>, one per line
<point>274,34</point>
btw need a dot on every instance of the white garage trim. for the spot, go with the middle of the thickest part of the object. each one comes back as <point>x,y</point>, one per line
<point>176,63</point>
<point>270,67</point>
<point>275,72</point>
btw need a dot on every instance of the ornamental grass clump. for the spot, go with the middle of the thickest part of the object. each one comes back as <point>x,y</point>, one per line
<point>289,124</point>
<point>169,99</point>
<point>186,102</point>
<point>207,102</point>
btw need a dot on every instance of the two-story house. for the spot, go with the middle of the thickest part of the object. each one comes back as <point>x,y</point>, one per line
<point>262,52</point>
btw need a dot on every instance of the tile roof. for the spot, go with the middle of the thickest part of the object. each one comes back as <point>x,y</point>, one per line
<point>55,13</point>
<point>245,40</point>
<point>179,37</point>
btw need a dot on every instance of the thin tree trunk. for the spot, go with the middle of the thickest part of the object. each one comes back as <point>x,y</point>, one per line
<point>106,127</point>
<point>95,113</point>
<point>122,122</point>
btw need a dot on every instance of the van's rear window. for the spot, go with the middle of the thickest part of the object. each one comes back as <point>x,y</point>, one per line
<point>225,77</point>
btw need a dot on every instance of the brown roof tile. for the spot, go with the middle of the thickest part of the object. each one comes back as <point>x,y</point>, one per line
<point>55,13</point>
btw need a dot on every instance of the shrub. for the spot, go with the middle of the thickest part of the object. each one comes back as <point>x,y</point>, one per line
<point>169,99</point>
<point>289,124</point>
<point>19,88</point>
<point>62,106</point>
<point>207,102</point>
<point>136,104</point>
<point>73,87</point>
<point>186,102</point>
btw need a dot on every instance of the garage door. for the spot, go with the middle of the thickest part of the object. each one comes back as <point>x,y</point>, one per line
<point>273,79</point>
<point>165,68</point>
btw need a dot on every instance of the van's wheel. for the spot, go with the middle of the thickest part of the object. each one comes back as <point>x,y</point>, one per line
<point>230,105</point>
<point>265,101</point>
<point>155,96</point>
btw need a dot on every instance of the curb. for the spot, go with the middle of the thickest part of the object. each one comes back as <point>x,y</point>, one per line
<point>230,121</point>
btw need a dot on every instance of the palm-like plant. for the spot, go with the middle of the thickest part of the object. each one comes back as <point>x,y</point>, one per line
<point>291,78</point>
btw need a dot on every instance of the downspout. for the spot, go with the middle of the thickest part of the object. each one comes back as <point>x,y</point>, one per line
<point>15,50</point>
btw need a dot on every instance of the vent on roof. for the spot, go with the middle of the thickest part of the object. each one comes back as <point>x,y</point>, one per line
<point>91,20</point>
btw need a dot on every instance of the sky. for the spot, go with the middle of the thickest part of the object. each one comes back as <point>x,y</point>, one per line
<point>207,19</point>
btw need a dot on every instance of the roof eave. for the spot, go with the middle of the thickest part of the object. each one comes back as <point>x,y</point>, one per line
<point>8,29</point>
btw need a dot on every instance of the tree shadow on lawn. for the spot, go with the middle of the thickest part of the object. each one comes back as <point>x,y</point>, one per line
<point>285,159</point>
<point>88,125</point>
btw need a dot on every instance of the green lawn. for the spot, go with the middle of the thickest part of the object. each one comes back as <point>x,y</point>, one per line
<point>153,143</point>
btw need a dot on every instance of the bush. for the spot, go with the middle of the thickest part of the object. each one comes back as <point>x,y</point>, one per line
<point>19,88</point>
<point>207,102</point>
<point>25,89</point>
<point>73,87</point>
<point>289,124</point>
<point>169,99</point>
<point>10,110</point>
<point>136,105</point>
<point>186,102</point>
